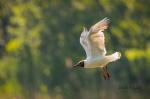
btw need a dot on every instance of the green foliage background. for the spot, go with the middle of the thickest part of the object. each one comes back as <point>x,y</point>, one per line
<point>39,41</point>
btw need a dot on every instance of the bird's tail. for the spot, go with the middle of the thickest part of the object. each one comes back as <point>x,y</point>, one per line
<point>114,57</point>
<point>117,55</point>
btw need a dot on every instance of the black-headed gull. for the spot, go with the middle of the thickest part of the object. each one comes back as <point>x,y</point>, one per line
<point>93,42</point>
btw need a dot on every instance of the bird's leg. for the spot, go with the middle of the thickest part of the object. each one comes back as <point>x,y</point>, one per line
<point>106,75</point>
<point>107,71</point>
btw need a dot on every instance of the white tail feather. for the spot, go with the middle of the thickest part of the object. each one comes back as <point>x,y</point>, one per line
<point>114,57</point>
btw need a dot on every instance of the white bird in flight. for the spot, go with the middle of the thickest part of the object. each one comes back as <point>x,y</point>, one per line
<point>93,42</point>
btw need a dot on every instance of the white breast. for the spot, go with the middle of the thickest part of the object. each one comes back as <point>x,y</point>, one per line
<point>99,61</point>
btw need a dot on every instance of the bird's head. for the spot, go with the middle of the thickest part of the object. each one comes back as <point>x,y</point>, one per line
<point>79,64</point>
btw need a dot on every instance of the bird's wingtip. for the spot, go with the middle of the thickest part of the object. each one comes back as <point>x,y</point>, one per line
<point>84,29</point>
<point>106,19</point>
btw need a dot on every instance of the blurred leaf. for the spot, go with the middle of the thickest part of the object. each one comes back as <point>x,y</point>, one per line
<point>14,45</point>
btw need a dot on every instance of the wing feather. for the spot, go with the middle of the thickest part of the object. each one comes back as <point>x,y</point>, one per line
<point>84,41</point>
<point>93,41</point>
<point>97,38</point>
<point>101,25</point>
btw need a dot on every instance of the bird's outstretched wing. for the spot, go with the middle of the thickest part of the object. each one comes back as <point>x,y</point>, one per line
<point>96,37</point>
<point>84,41</point>
<point>100,26</point>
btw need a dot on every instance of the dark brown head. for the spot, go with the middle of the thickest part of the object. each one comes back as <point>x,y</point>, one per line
<point>79,64</point>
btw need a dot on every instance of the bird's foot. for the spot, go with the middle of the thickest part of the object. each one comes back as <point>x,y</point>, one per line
<point>106,74</point>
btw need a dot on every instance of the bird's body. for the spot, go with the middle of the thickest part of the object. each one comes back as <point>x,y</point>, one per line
<point>95,62</point>
<point>100,61</point>
<point>93,42</point>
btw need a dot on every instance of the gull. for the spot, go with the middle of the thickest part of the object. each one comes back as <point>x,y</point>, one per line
<point>93,42</point>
